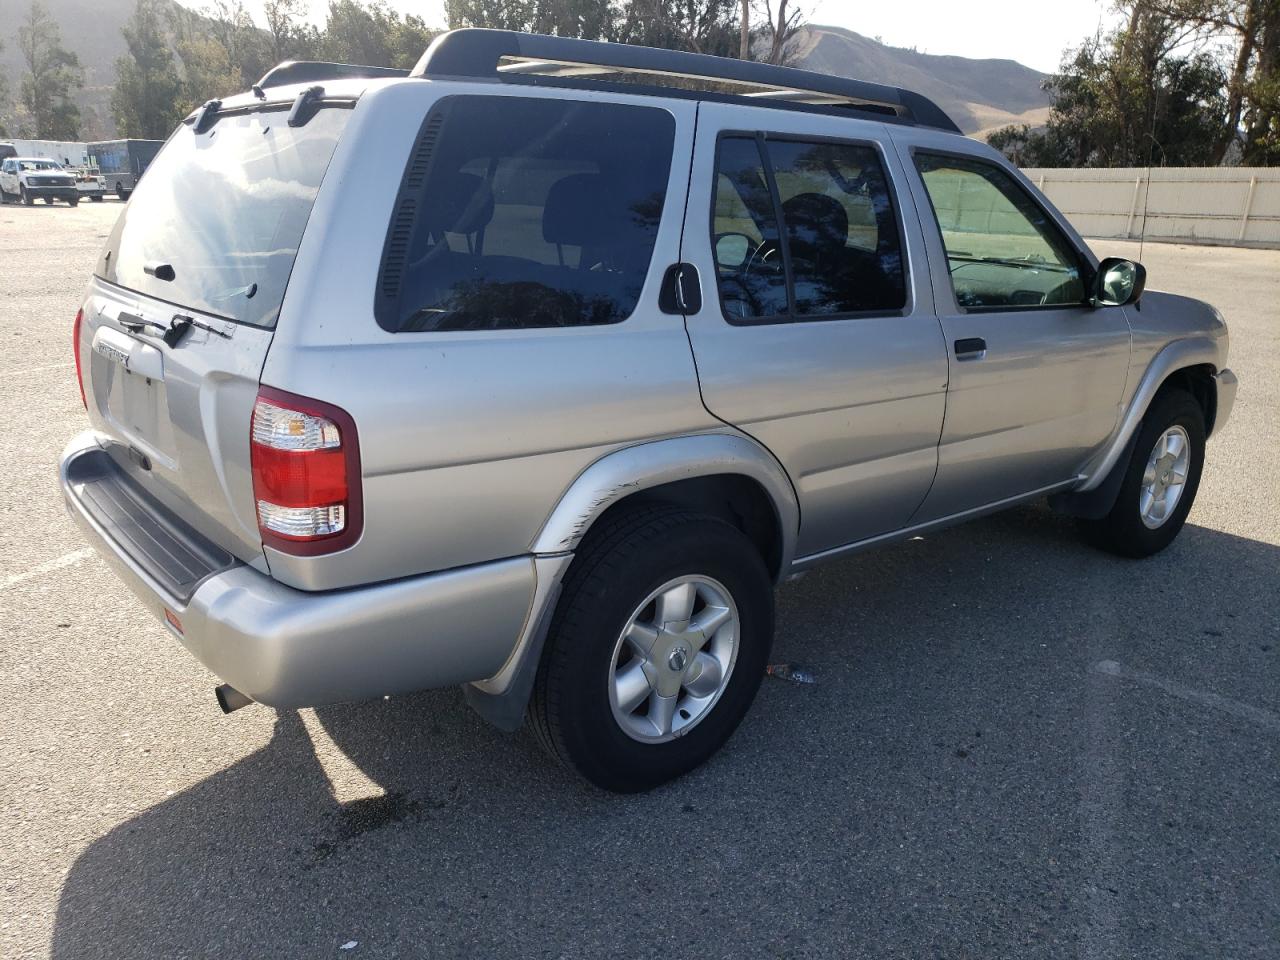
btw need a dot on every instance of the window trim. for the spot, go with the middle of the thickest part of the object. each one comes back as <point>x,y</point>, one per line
<point>1085,267</point>
<point>387,312</point>
<point>762,138</point>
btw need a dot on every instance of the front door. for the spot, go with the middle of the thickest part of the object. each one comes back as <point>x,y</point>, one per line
<point>1037,376</point>
<point>817,333</point>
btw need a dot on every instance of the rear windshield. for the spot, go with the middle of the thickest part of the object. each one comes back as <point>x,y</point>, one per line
<point>226,210</point>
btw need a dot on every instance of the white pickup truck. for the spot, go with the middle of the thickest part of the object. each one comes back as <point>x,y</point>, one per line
<point>29,179</point>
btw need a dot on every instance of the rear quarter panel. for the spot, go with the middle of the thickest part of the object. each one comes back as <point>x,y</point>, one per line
<point>467,439</point>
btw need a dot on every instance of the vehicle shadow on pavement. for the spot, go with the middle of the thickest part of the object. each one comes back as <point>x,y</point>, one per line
<point>962,779</point>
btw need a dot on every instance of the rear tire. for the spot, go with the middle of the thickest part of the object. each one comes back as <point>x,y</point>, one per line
<point>618,588</point>
<point>74,202</point>
<point>1160,482</point>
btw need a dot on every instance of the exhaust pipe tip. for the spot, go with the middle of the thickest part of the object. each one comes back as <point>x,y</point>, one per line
<point>229,698</point>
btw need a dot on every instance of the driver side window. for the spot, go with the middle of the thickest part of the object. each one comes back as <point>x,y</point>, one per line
<point>1003,251</point>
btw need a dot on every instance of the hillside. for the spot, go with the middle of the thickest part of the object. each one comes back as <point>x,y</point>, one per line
<point>978,94</point>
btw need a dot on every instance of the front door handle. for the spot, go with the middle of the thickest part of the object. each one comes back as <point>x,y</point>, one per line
<point>971,348</point>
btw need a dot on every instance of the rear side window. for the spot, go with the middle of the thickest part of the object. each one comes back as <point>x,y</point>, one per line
<point>226,210</point>
<point>531,213</point>
<point>839,251</point>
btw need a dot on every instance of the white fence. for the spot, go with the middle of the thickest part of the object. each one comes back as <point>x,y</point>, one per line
<point>1227,205</point>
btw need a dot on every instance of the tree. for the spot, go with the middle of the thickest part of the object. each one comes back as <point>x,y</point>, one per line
<point>246,47</point>
<point>147,100</point>
<point>53,78</point>
<point>291,37</point>
<point>375,35</point>
<point>1136,96</point>
<point>4,99</point>
<point>780,30</point>
<point>589,19</point>
<point>701,26</point>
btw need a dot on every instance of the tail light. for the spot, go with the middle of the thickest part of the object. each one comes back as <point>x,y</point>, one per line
<point>75,348</point>
<point>306,474</point>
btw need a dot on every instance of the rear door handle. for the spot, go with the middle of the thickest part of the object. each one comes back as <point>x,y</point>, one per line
<point>971,348</point>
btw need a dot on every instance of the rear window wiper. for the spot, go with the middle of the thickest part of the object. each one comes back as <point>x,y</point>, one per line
<point>181,323</point>
<point>171,333</point>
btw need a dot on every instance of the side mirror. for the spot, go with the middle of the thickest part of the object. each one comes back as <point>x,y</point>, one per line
<point>732,250</point>
<point>1118,282</point>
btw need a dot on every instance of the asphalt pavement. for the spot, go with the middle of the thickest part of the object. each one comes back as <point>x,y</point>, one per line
<point>1016,746</point>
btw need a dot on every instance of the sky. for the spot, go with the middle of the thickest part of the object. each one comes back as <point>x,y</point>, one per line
<point>1032,33</point>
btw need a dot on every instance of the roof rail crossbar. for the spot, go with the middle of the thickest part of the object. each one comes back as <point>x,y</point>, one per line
<point>317,71</point>
<point>502,54</point>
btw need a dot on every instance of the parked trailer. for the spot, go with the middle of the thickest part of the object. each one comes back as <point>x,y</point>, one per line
<point>69,153</point>
<point>122,162</point>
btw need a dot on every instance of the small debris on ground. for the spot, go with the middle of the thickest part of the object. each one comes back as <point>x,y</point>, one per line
<point>790,671</point>
<point>350,945</point>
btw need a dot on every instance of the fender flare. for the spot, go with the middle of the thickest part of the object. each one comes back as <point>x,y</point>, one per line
<point>1189,352</point>
<point>658,462</point>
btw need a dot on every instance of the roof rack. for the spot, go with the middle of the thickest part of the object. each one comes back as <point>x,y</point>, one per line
<point>528,57</point>
<point>314,71</point>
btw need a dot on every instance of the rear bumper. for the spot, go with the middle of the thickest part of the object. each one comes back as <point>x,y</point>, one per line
<point>1227,384</point>
<point>289,648</point>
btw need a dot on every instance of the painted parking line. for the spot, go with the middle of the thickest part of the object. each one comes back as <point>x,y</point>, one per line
<point>1245,711</point>
<point>49,566</point>
<point>40,369</point>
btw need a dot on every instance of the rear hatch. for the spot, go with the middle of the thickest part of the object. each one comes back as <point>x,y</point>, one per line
<point>183,303</point>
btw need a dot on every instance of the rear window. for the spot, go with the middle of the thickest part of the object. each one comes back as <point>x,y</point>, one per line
<point>532,213</point>
<point>226,210</point>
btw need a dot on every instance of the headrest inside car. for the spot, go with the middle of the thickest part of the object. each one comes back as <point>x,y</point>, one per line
<point>464,207</point>
<point>582,210</point>
<point>816,221</point>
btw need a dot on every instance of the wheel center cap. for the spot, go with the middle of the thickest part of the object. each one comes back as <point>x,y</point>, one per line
<point>679,658</point>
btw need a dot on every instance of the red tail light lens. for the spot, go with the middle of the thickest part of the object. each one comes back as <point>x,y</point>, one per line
<point>75,348</point>
<point>306,474</point>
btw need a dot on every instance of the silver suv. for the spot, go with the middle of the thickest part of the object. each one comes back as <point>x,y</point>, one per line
<point>536,368</point>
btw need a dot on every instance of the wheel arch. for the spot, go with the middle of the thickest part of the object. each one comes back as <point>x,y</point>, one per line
<point>1189,363</point>
<point>726,475</point>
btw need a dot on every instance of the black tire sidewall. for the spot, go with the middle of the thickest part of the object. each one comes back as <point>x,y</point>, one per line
<point>587,733</point>
<point>1127,533</point>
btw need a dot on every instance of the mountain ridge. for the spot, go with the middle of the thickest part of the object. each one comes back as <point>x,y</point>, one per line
<point>978,94</point>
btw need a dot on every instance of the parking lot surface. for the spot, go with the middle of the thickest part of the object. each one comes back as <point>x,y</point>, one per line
<point>1016,746</point>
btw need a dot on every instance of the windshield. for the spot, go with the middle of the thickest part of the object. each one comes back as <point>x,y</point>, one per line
<point>225,210</point>
<point>38,165</point>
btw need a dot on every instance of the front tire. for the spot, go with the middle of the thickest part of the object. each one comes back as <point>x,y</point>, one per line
<point>656,650</point>
<point>74,202</point>
<point>25,197</point>
<point>1160,482</point>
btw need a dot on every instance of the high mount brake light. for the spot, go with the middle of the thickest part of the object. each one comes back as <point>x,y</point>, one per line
<point>306,474</point>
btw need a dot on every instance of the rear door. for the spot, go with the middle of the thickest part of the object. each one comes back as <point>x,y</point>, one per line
<point>207,243</point>
<point>817,334</point>
<point>1037,376</point>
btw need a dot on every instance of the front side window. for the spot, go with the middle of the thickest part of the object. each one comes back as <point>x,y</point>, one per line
<point>838,252</point>
<point>1003,251</point>
<point>532,213</point>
